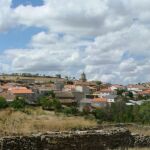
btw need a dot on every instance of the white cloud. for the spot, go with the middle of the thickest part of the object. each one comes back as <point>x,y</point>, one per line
<point>107,39</point>
<point>7,17</point>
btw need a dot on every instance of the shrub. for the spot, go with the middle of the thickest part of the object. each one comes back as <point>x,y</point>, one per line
<point>50,104</point>
<point>3,103</point>
<point>70,111</point>
<point>50,94</point>
<point>144,112</point>
<point>100,114</point>
<point>46,103</point>
<point>57,105</point>
<point>18,103</point>
<point>86,110</point>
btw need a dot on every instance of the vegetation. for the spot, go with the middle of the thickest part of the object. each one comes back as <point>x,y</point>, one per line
<point>70,111</point>
<point>18,103</point>
<point>46,103</point>
<point>49,102</point>
<point>3,103</point>
<point>35,120</point>
<point>119,112</point>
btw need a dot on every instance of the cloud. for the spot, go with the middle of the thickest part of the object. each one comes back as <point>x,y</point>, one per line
<point>7,17</point>
<point>109,40</point>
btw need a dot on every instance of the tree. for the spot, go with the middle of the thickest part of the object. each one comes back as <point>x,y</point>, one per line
<point>51,94</point>
<point>118,111</point>
<point>120,91</point>
<point>70,111</point>
<point>100,114</point>
<point>18,103</point>
<point>46,103</point>
<point>50,104</point>
<point>130,94</point>
<point>144,112</point>
<point>56,104</point>
<point>3,102</point>
<point>98,82</point>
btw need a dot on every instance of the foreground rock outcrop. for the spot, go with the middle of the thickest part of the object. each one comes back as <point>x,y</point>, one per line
<point>141,141</point>
<point>73,140</point>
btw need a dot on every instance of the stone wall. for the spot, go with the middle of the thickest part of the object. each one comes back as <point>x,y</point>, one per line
<point>73,140</point>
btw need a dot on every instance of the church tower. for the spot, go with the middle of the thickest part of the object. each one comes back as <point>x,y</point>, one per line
<point>83,77</point>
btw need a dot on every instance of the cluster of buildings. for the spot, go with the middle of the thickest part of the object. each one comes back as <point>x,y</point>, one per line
<point>82,93</point>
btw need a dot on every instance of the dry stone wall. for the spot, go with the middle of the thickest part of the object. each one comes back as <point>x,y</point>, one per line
<point>73,140</point>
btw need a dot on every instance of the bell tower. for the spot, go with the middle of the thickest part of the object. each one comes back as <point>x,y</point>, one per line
<point>83,77</point>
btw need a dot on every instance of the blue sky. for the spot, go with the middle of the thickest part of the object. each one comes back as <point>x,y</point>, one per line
<point>20,36</point>
<point>102,38</point>
<point>16,3</point>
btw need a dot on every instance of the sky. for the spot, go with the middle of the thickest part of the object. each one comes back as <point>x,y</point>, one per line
<point>108,40</point>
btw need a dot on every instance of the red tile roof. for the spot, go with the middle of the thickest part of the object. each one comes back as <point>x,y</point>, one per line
<point>145,92</point>
<point>102,100</point>
<point>20,90</point>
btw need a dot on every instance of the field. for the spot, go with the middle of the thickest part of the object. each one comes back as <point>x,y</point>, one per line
<point>36,120</point>
<point>138,149</point>
<point>140,129</point>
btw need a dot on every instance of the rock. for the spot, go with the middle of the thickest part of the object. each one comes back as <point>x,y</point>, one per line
<point>75,140</point>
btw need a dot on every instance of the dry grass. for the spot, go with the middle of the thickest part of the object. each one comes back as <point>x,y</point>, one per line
<point>138,149</point>
<point>139,129</point>
<point>132,127</point>
<point>36,120</point>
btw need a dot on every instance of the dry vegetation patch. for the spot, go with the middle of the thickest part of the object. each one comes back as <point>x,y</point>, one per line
<point>140,129</point>
<point>34,120</point>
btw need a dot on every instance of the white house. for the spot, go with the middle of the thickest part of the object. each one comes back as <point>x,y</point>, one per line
<point>83,89</point>
<point>105,92</point>
<point>135,88</point>
<point>116,86</point>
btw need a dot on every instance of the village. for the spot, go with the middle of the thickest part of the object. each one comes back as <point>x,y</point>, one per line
<point>82,94</point>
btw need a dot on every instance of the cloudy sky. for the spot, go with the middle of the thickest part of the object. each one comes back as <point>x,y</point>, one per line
<point>107,39</point>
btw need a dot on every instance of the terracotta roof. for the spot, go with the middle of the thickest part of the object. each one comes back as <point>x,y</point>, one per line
<point>145,92</point>
<point>20,90</point>
<point>104,91</point>
<point>69,86</point>
<point>5,87</point>
<point>103,100</point>
<point>136,86</point>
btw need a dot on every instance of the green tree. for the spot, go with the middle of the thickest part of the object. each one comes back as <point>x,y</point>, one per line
<point>98,82</point>
<point>144,112</point>
<point>18,103</point>
<point>50,94</point>
<point>46,103</point>
<point>50,104</point>
<point>57,104</point>
<point>3,102</point>
<point>100,114</point>
<point>70,110</point>
<point>118,111</point>
<point>130,94</point>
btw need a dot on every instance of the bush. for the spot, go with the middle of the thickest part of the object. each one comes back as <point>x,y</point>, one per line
<point>3,103</point>
<point>70,111</point>
<point>50,94</point>
<point>144,112</point>
<point>50,104</point>
<point>46,104</point>
<point>18,103</point>
<point>100,114</point>
<point>57,105</point>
